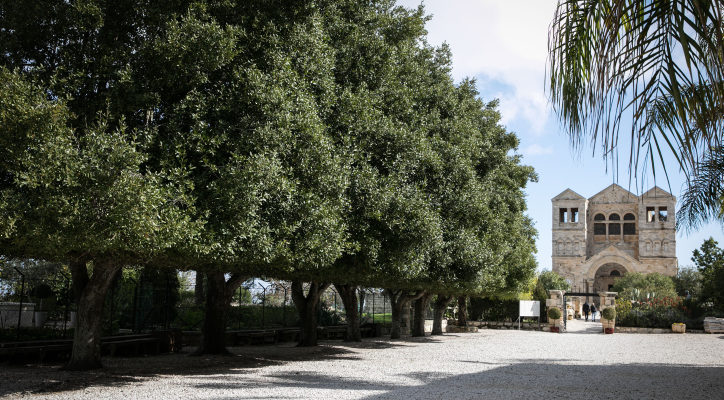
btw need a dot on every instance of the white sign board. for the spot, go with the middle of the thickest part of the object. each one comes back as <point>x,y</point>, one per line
<point>529,308</point>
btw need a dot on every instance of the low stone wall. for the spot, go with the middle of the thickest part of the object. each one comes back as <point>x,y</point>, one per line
<point>529,326</point>
<point>630,329</point>
<point>461,329</point>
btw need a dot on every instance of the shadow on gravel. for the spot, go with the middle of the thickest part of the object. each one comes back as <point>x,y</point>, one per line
<point>526,380</point>
<point>120,371</point>
<point>540,380</point>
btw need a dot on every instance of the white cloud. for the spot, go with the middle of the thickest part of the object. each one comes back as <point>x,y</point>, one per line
<point>506,41</point>
<point>536,150</point>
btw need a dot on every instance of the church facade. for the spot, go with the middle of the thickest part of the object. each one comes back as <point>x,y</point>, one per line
<point>599,239</point>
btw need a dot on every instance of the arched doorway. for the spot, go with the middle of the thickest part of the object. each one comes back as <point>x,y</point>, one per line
<point>606,276</point>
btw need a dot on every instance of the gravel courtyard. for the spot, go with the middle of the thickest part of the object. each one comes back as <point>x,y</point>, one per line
<point>489,364</point>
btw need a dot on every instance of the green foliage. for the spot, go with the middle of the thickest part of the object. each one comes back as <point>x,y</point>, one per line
<point>317,141</point>
<point>688,281</point>
<point>554,313</point>
<point>12,334</point>
<point>78,194</point>
<point>641,287</point>
<point>609,313</point>
<point>653,313</point>
<point>709,259</point>
<point>492,309</point>
<point>551,280</point>
<point>545,281</point>
<point>240,317</point>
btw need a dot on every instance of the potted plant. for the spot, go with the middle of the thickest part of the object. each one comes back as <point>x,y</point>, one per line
<point>678,327</point>
<point>608,319</point>
<point>554,314</point>
<point>41,292</point>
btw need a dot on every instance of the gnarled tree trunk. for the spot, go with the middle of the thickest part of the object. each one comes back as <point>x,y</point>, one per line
<point>462,311</point>
<point>219,292</point>
<point>405,319</point>
<point>90,296</point>
<point>307,307</point>
<point>439,308</point>
<point>421,304</point>
<point>348,293</point>
<point>399,301</point>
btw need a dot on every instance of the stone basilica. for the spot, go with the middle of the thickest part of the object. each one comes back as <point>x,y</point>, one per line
<point>614,232</point>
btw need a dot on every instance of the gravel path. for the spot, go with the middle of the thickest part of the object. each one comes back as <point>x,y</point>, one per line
<point>489,364</point>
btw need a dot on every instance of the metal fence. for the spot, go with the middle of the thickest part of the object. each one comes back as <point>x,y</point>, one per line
<point>141,301</point>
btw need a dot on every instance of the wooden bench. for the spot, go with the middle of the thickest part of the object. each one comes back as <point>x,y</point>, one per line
<point>28,343</point>
<point>249,337</point>
<point>287,334</point>
<point>333,332</point>
<point>39,350</point>
<point>132,347</point>
<point>34,352</point>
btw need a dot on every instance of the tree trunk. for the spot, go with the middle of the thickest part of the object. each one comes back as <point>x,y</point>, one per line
<point>462,311</point>
<point>399,300</point>
<point>348,293</point>
<point>307,308</point>
<point>396,309</point>
<point>421,304</point>
<point>199,289</point>
<point>213,331</point>
<point>405,319</point>
<point>91,295</point>
<point>438,312</point>
<point>218,300</point>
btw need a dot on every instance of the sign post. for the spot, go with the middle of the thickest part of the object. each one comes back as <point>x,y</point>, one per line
<point>528,308</point>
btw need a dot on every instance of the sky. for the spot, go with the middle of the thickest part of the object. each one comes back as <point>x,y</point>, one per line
<point>504,46</point>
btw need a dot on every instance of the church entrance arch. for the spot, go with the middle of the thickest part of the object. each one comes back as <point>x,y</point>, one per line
<point>606,276</point>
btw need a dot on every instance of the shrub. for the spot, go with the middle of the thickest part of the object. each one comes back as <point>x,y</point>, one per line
<point>490,309</point>
<point>609,313</point>
<point>654,313</point>
<point>639,287</point>
<point>554,313</point>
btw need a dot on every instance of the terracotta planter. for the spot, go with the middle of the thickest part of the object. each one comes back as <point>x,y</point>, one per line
<point>554,329</point>
<point>608,330</point>
<point>608,323</point>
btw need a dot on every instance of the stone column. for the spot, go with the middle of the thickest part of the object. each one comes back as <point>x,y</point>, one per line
<point>556,300</point>
<point>589,289</point>
<point>608,299</point>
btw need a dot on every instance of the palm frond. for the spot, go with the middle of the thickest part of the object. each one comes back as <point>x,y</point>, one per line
<point>703,196</point>
<point>658,64</point>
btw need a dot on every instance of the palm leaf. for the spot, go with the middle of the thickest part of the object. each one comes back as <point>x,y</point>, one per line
<point>659,64</point>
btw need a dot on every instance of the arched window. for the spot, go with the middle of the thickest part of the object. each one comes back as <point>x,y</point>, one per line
<point>629,228</point>
<point>614,229</point>
<point>599,229</point>
<point>629,217</point>
<point>599,217</point>
<point>614,217</point>
<point>615,273</point>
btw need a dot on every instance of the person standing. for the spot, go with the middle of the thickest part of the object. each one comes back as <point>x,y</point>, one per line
<point>586,310</point>
<point>593,312</point>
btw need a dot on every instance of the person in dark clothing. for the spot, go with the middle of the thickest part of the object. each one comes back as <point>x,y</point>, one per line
<point>593,312</point>
<point>586,309</point>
